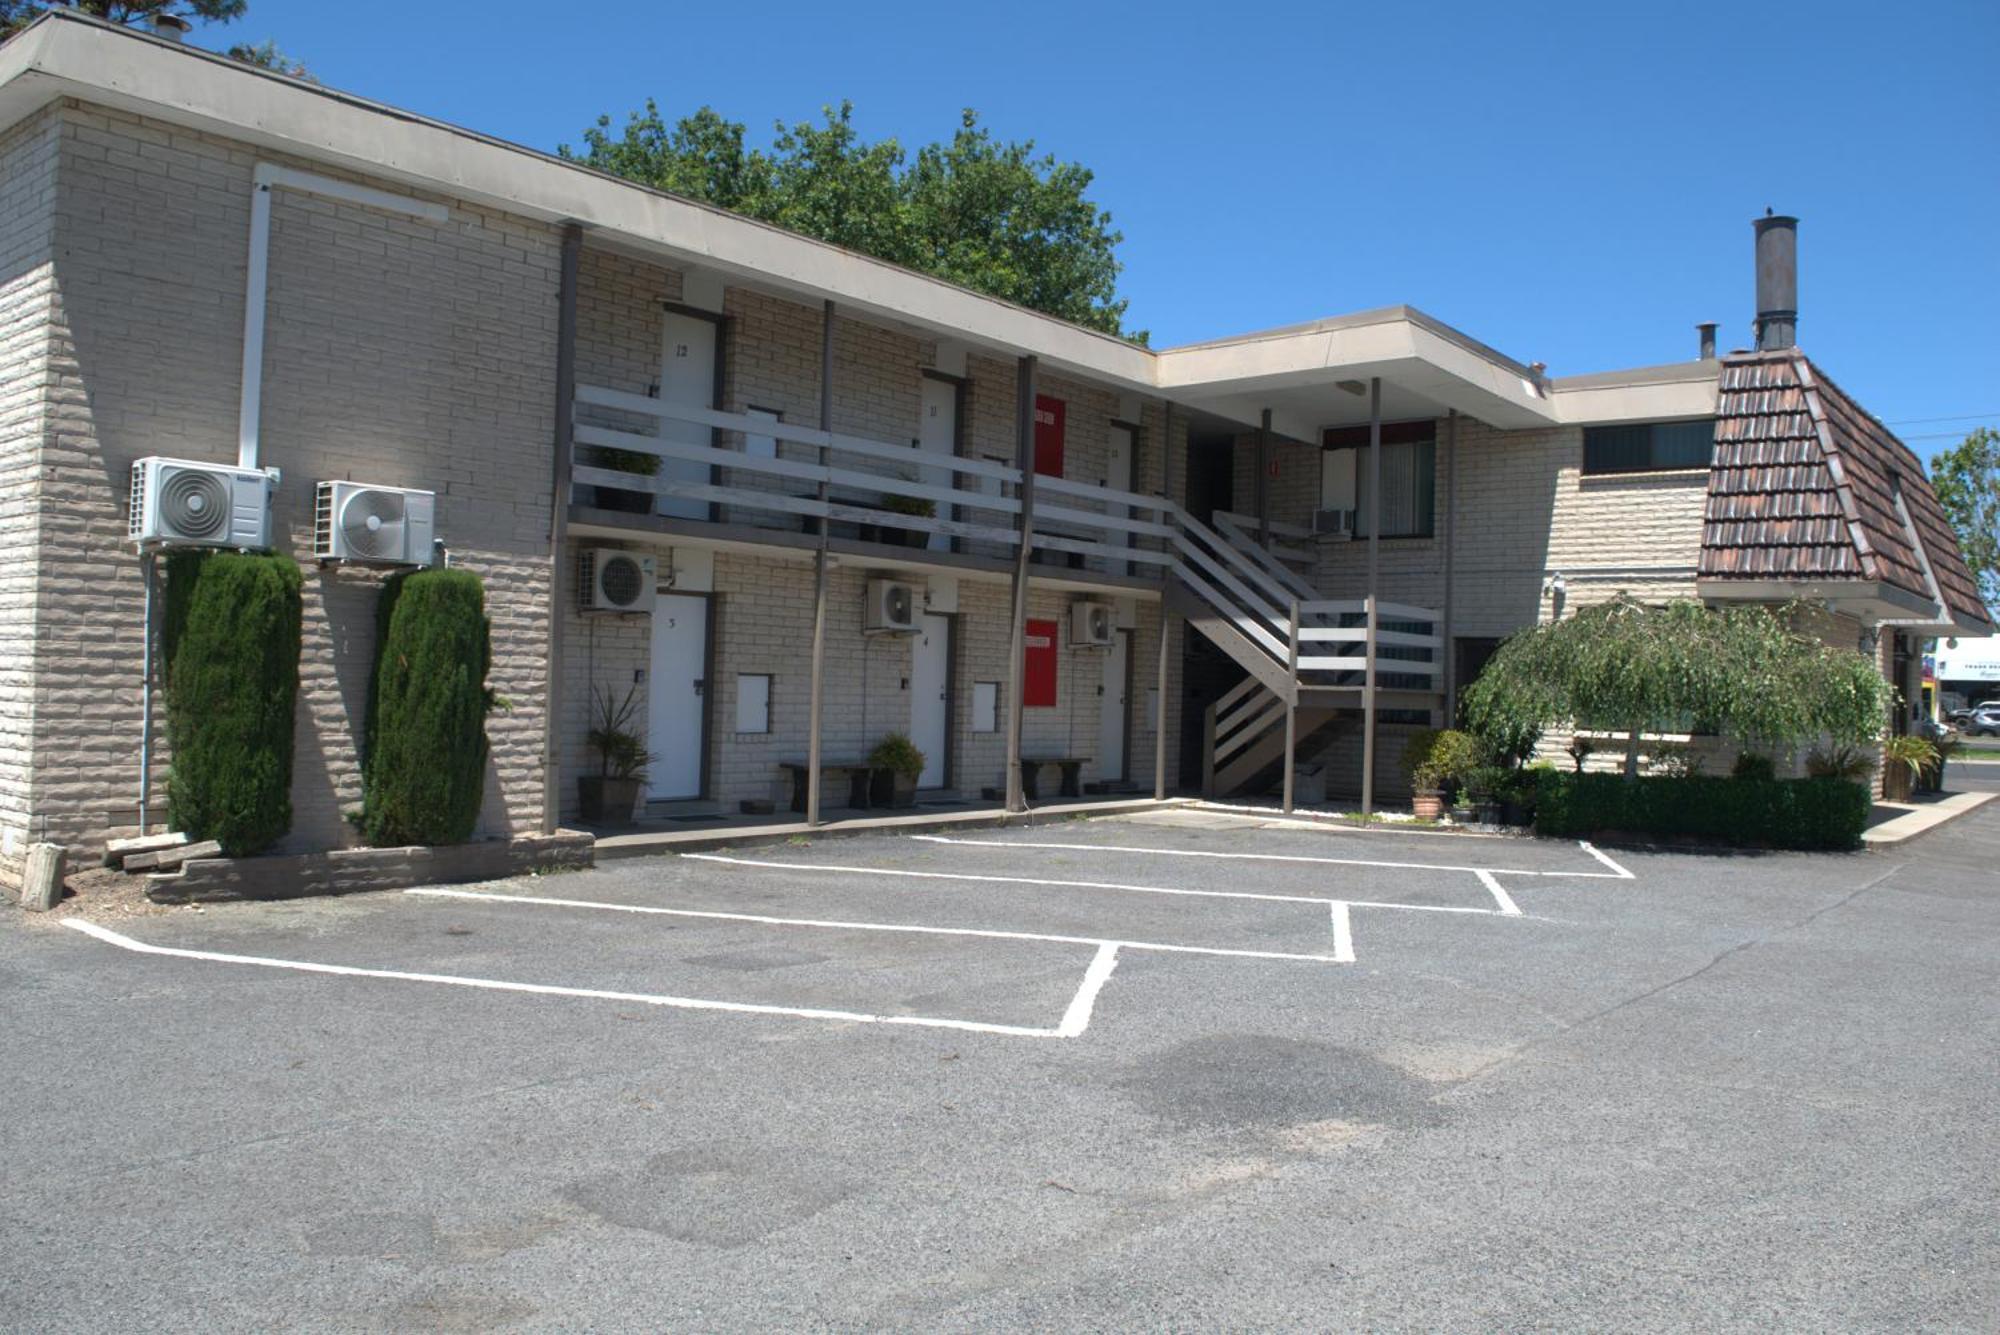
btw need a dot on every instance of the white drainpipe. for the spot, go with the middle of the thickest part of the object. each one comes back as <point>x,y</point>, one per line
<point>265,178</point>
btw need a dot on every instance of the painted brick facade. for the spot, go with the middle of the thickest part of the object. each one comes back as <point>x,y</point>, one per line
<point>399,351</point>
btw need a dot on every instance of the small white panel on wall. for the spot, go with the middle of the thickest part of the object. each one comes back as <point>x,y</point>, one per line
<point>941,594</point>
<point>702,289</point>
<point>1127,615</point>
<point>691,570</point>
<point>950,358</point>
<point>986,706</point>
<point>1336,479</point>
<point>1129,408</point>
<point>753,702</point>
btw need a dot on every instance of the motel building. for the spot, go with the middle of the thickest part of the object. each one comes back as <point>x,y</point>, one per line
<point>798,499</point>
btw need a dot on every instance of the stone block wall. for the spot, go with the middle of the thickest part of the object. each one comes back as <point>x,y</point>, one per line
<point>28,158</point>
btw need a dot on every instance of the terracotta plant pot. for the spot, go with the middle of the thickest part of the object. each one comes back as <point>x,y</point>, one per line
<point>1427,803</point>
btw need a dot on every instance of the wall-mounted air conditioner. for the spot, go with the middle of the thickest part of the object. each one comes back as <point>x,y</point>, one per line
<point>609,579</point>
<point>1092,625</point>
<point>354,521</point>
<point>1333,523</point>
<point>183,503</point>
<point>891,608</point>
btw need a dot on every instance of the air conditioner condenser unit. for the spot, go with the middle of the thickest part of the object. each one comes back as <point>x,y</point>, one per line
<point>1092,625</point>
<point>610,579</point>
<point>354,521</point>
<point>891,608</point>
<point>186,503</point>
<point>1333,523</point>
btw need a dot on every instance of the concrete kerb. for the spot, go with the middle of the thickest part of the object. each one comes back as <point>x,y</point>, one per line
<point>347,871</point>
<point>1918,819</point>
<point>652,843</point>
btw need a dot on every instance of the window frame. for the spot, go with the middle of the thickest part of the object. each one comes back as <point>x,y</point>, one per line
<point>1419,434</point>
<point>1652,463</point>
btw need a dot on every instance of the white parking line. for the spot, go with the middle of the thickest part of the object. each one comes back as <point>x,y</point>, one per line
<point>841,924</point>
<point>1076,1018</point>
<point>1500,895</point>
<point>1004,880</point>
<point>1272,857</point>
<point>1592,849</point>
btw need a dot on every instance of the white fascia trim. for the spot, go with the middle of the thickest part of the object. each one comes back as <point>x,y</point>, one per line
<point>1661,401</point>
<point>130,71</point>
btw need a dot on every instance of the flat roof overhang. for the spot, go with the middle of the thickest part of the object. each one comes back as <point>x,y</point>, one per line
<point>1870,600</point>
<point>1427,368</point>
<point>1307,375</point>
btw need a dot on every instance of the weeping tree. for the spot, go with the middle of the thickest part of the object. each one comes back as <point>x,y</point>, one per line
<point>1626,666</point>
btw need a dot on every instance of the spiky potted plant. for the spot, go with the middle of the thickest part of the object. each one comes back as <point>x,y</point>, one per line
<point>917,507</point>
<point>609,796</point>
<point>1904,759</point>
<point>894,767</point>
<point>635,462</point>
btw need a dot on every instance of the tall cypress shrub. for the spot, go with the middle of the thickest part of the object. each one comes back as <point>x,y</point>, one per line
<point>424,771</point>
<point>232,630</point>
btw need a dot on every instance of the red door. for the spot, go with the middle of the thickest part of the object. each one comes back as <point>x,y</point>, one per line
<point>1038,671</point>
<point>1048,436</point>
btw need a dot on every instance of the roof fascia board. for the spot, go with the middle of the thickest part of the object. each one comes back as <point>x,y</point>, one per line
<point>1881,600</point>
<point>96,63</point>
<point>1638,401</point>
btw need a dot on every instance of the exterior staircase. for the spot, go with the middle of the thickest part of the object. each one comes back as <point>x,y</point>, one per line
<point>1311,665</point>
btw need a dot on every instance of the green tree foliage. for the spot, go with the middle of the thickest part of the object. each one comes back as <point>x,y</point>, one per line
<point>18,14</point>
<point>1967,478</point>
<point>990,215</point>
<point>424,765</point>
<point>232,683</point>
<point>1745,810</point>
<point>1629,667</point>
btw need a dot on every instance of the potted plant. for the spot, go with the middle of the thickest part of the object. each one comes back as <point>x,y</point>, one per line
<point>1486,783</point>
<point>1904,758</point>
<point>636,462</point>
<point>1426,799</point>
<point>609,796</point>
<point>1453,757</point>
<point>894,766</point>
<point>917,506</point>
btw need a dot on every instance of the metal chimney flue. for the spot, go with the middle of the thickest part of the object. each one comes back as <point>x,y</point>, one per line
<point>171,26</point>
<point>1777,281</point>
<point>1707,331</point>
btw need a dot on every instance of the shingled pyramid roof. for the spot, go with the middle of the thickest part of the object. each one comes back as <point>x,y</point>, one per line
<point>1804,487</point>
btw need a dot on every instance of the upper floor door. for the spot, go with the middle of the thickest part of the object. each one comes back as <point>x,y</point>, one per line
<point>937,434</point>
<point>688,363</point>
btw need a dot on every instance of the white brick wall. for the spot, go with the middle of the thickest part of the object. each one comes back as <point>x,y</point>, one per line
<point>399,351</point>
<point>28,157</point>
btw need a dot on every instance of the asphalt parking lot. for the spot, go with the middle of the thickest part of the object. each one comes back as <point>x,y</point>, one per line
<point>1183,1069</point>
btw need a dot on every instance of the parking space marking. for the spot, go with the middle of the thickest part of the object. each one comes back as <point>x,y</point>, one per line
<point>1500,895</point>
<point>1004,880</point>
<point>1339,930</point>
<point>1617,872</point>
<point>1593,850</point>
<point>1076,1018</point>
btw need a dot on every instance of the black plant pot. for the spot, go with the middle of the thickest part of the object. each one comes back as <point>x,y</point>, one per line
<point>606,801</point>
<point>887,788</point>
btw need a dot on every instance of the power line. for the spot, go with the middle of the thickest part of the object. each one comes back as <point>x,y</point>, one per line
<point>1937,435</point>
<point>1957,417</point>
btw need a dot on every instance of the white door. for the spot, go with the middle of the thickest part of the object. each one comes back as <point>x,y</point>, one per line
<point>1118,475</point>
<point>938,434</point>
<point>687,378</point>
<point>1112,709</point>
<point>930,694</point>
<point>675,705</point>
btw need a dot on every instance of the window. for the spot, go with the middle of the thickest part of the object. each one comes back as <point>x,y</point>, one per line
<point>1648,447</point>
<point>1409,477</point>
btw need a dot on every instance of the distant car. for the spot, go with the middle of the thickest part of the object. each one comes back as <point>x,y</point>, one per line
<point>1983,720</point>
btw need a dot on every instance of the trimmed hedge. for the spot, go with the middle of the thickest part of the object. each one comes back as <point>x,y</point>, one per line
<point>424,767</point>
<point>232,627</point>
<point>1771,813</point>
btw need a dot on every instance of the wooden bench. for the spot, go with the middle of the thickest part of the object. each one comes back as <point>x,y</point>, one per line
<point>832,773</point>
<point>1072,775</point>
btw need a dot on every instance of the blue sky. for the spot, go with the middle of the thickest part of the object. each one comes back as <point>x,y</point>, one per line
<point>1573,184</point>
